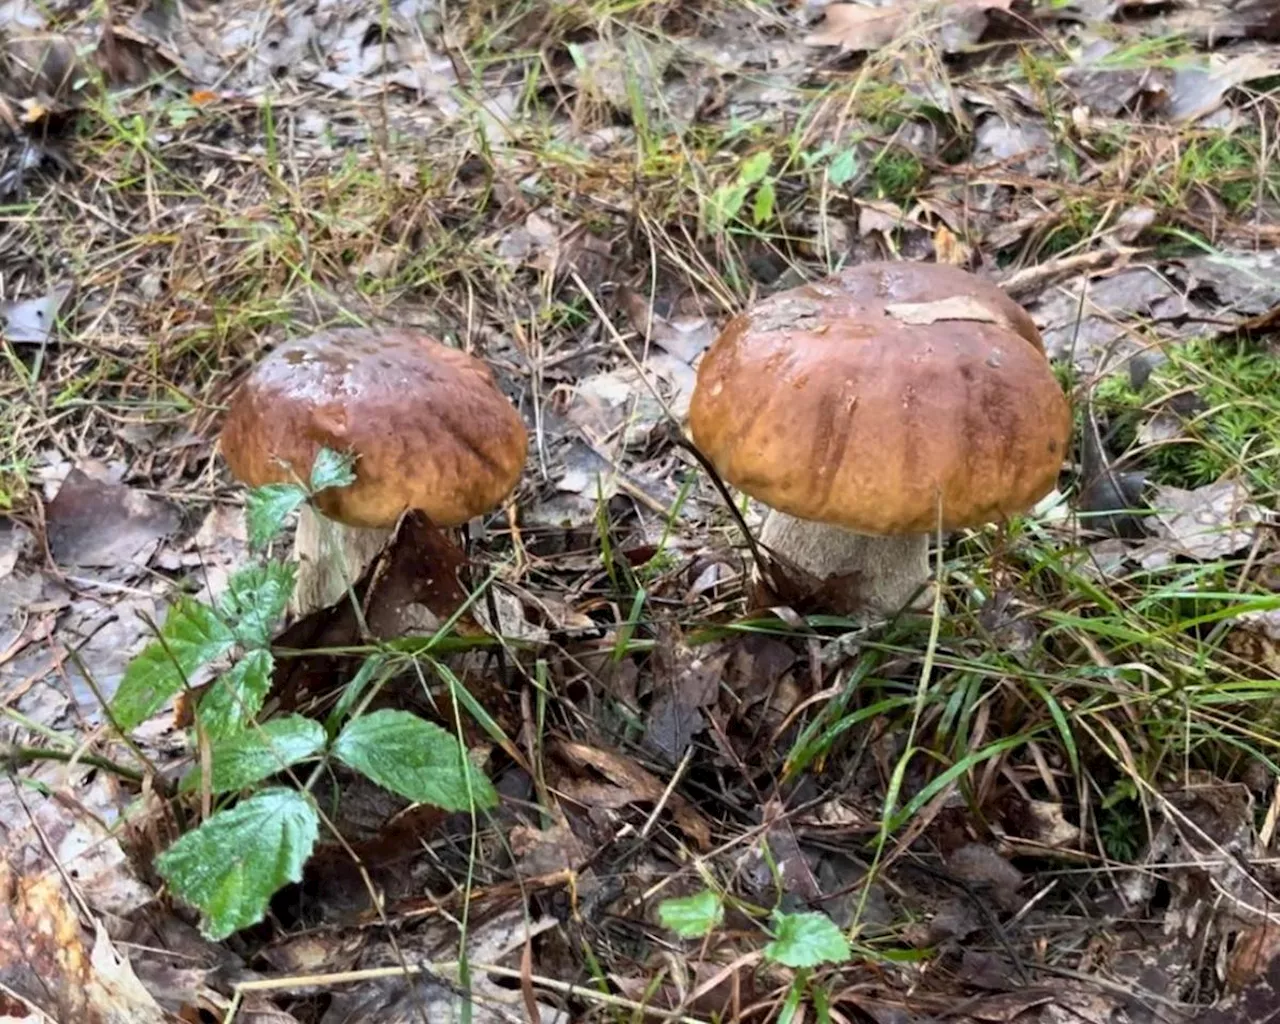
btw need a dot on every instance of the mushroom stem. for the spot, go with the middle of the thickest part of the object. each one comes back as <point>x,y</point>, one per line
<point>891,569</point>
<point>330,555</point>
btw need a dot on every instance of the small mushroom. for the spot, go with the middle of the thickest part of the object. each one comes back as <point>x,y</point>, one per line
<point>874,407</point>
<point>429,428</point>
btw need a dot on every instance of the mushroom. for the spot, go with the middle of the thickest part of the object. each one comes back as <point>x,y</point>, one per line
<point>875,407</point>
<point>428,426</point>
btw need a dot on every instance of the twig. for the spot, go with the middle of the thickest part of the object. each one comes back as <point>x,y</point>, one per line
<point>15,757</point>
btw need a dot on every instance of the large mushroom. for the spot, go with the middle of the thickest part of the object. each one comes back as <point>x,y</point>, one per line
<point>428,426</point>
<point>870,410</point>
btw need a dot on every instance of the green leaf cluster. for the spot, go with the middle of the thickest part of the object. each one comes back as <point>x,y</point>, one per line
<point>260,838</point>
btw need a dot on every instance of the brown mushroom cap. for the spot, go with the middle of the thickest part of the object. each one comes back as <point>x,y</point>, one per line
<point>909,282</point>
<point>429,427</point>
<point>826,404</point>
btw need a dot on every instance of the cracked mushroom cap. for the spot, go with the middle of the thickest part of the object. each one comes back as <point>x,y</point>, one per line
<point>430,429</point>
<point>844,405</point>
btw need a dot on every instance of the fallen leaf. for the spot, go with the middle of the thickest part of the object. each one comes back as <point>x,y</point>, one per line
<point>106,526</point>
<point>980,865</point>
<point>856,27</point>
<point>955,307</point>
<point>640,786</point>
<point>1204,524</point>
<point>31,321</point>
<point>396,999</point>
<point>1198,90</point>
<point>686,338</point>
<point>41,65</point>
<point>1049,825</point>
<point>546,851</point>
<point>1255,638</point>
<point>44,959</point>
<point>684,680</point>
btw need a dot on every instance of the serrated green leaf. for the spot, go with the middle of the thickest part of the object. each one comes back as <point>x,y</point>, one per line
<point>193,636</point>
<point>843,167</point>
<point>332,469</point>
<point>256,754</point>
<point>236,696</point>
<point>755,167</point>
<point>255,599</point>
<point>691,917</point>
<point>231,865</point>
<point>806,940</point>
<point>762,210</point>
<point>415,758</point>
<point>266,508</point>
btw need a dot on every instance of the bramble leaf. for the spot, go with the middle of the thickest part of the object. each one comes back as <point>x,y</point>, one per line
<point>236,696</point>
<point>415,758</point>
<point>193,635</point>
<point>255,598</point>
<point>231,865</point>
<point>266,508</point>
<point>332,469</point>
<point>256,754</point>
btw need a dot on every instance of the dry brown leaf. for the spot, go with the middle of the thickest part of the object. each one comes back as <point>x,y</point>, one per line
<point>1050,826</point>
<point>857,27</point>
<point>640,785</point>
<point>545,851</point>
<point>106,526</point>
<point>1255,638</point>
<point>957,307</point>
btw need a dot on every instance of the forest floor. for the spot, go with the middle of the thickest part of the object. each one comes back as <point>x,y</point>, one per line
<point>1054,800</point>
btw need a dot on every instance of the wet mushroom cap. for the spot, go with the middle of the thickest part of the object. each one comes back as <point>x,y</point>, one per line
<point>428,424</point>
<point>844,409</point>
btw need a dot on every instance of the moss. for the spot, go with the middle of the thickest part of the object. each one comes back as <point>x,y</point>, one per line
<point>1231,396</point>
<point>897,173</point>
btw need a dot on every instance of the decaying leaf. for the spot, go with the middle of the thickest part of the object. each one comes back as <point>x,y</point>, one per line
<point>1255,639</point>
<point>546,851</point>
<point>395,999</point>
<point>45,959</point>
<point>1199,89</point>
<point>685,337</point>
